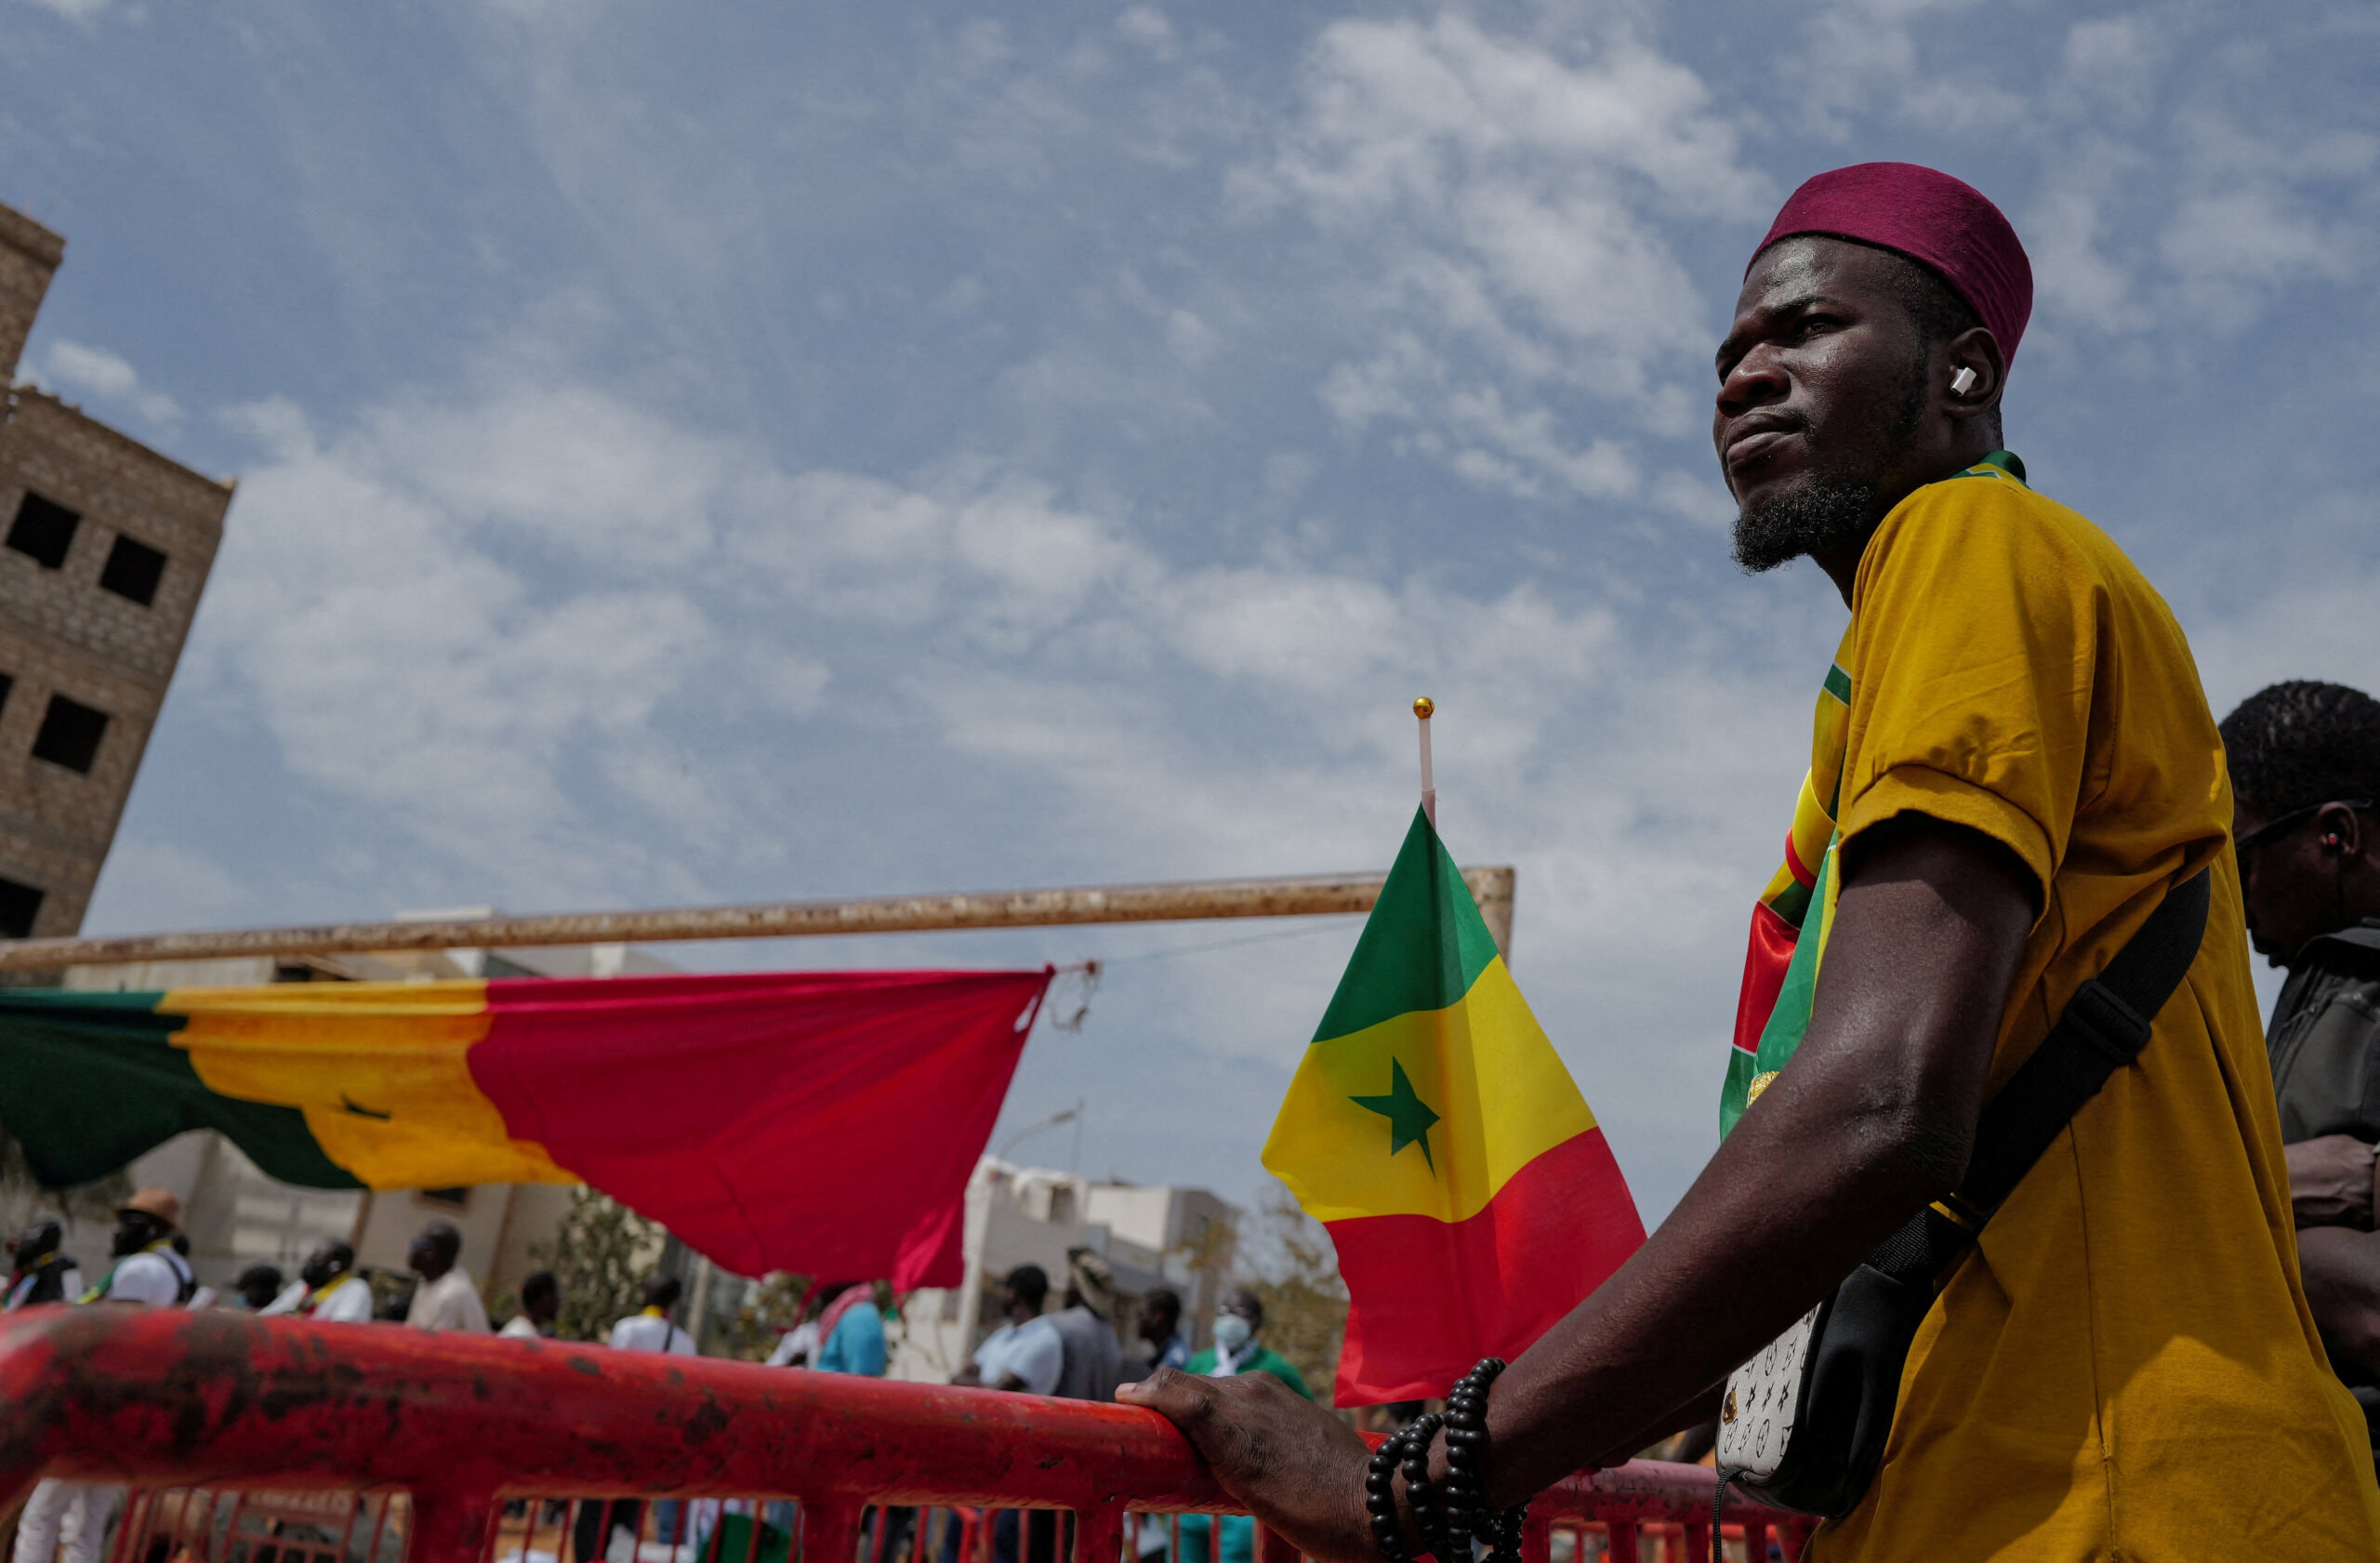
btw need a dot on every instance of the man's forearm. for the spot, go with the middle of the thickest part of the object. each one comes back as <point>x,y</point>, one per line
<point>1873,1118</point>
<point>1780,1217</point>
<point>2342,1272</point>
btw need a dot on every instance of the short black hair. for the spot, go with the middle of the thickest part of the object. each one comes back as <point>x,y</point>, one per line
<point>1937,308</point>
<point>1030,1282</point>
<point>266,1279</point>
<point>1940,310</point>
<point>2303,742</point>
<point>1164,1300</point>
<point>539,1287</point>
<point>444,1235</point>
<point>663,1290</point>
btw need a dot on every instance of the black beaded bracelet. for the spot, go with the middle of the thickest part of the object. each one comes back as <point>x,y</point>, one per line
<point>1449,1522</point>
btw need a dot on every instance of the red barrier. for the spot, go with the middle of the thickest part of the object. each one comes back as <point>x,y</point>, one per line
<point>224,1400</point>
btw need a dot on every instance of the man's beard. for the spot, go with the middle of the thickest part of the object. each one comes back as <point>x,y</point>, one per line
<point>1829,513</point>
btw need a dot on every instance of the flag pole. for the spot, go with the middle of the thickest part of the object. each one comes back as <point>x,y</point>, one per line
<point>1425,709</point>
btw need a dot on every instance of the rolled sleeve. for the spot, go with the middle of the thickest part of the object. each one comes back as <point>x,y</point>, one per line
<point>1976,648</point>
<point>1918,789</point>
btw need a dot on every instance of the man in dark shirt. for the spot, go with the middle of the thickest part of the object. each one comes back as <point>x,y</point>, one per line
<point>2305,761</point>
<point>1094,1363</point>
<point>41,1273</point>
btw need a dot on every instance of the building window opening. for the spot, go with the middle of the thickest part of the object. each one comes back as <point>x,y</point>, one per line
<point>132,570</point>
<point>7,683</point>
<point>42,531</point>
<point>69,735</point>
<point>19,904</point>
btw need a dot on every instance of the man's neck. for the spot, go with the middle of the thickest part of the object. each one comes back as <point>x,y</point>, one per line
<point>1842,566</point>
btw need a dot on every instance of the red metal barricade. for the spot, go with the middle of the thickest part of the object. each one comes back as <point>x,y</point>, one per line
<point>203,1413</point>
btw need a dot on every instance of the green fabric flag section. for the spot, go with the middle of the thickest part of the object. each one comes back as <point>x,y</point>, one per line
<point>1788,1021</point>
<point>94,1080</point>
<point>1402,963</point>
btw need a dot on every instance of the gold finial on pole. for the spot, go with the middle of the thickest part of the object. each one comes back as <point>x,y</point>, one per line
<point>1424,708</point>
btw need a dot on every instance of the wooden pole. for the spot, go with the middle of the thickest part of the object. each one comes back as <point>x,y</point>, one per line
<point>1317,895</point>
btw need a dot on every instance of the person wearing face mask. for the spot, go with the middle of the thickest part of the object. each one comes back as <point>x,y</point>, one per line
<point>261,1286</point>
<point>40,1273</point>
<point>334,1293</point>
<point>1237,1349</point>
<point>148,1273</point>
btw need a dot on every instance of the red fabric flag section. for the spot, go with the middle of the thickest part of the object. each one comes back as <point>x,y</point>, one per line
<point>824,1122</point>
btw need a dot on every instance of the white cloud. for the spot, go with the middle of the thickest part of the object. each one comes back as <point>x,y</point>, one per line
<point>365,603</point>
<point>1147,26</point>
<point>2066,235</point>
<point>2257,215</point>
<point>1503,202</point>
<point>108,376</point>
<point>166,884</point>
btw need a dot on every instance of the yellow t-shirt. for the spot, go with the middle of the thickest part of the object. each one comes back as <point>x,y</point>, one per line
<point>2126,1367</point>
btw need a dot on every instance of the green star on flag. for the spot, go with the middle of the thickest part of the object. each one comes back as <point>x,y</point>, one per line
<point>1408,1116</point>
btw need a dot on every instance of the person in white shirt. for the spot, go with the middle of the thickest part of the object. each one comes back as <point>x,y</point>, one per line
<point>147,1274</point>
<point>540,1305</point>
<point>797,1347</point>
<point>651,1328</point>
<point>1027,1354</point>
<point>147,1270</point>
<point>445,1299</point>
<point>334,1293</point>
<point>601,1527</point>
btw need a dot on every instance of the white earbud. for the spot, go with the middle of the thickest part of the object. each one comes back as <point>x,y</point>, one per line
<point>1963,381</point>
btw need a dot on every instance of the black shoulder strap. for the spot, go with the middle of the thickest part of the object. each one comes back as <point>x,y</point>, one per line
<point>2103,1028</point>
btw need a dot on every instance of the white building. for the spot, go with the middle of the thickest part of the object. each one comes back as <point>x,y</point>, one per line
<point>1151,1236</point>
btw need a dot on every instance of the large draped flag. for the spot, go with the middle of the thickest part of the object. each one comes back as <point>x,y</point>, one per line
<point>824,1122</point>
<point>1434,1131</point>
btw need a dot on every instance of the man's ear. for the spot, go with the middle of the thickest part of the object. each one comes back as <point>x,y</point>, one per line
<point>2342,831</point>
<point>1974,361</point>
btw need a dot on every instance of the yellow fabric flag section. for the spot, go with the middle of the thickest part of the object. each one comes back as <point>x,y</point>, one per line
<point>377,1069</point>
<point>1329,1147</point>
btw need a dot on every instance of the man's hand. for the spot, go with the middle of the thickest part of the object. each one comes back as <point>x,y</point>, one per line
<point>1298,1468</point>
<point>2331,1182</point>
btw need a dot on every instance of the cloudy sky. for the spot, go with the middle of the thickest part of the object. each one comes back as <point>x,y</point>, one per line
<point>692,452</point>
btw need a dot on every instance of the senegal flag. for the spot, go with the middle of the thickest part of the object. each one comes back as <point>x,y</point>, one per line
<point>824,1122</point>
<point>1435,1133</point>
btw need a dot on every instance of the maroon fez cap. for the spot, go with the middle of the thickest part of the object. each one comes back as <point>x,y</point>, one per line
<point>1927,216</point>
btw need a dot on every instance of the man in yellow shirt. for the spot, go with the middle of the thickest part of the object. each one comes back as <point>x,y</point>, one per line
<point>2012,764</point>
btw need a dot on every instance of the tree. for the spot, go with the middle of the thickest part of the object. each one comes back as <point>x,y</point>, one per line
<point>1298,1281</point>
<point>601,1255</point>
<point>767,1310</point>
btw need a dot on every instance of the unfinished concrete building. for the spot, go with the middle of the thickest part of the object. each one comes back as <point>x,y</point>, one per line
<point>107,546</point>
